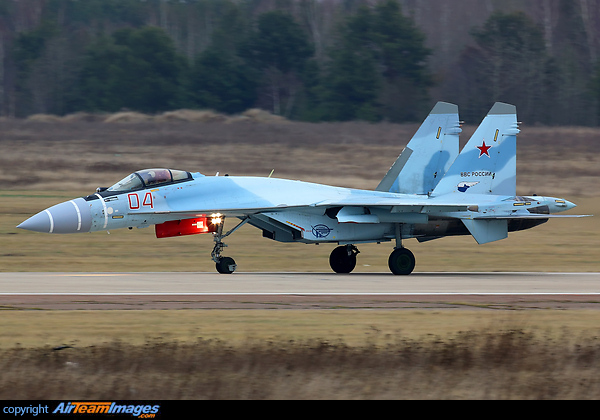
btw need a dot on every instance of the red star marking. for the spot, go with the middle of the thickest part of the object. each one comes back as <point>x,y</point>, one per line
<point>483,149</point>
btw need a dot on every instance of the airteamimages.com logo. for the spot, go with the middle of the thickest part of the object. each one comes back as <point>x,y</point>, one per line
<point>142,411</point>
<point>93,409</point>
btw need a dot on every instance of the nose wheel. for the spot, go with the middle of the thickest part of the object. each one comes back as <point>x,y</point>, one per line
<point>224,265</point>
<point>343,258</point>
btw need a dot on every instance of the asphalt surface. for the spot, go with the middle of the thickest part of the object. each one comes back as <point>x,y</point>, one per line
<point>171,283</point>
<point>479,291</point>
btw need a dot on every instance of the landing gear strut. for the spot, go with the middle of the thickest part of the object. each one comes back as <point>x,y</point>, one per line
<point>224,265</point>
<point>343,258</point>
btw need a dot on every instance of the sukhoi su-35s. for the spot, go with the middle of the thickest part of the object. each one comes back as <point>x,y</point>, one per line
<point>431,191</point>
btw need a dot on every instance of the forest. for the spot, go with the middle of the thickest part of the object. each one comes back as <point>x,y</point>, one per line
<point>306,60</point>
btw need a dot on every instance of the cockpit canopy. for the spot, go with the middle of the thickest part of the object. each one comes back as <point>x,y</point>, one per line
<point>150,178</point>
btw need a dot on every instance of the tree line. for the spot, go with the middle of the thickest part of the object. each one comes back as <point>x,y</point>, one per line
<point>310,60</point>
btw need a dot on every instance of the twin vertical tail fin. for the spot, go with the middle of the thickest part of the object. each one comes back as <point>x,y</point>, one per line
<point>430,163</point>
<point>488,162</point>
<point>428,155</point>
<point>486,165</point>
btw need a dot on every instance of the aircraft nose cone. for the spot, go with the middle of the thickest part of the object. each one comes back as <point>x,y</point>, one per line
<point>570,205</point>
<point>38,223</point>
<point>69,217</point>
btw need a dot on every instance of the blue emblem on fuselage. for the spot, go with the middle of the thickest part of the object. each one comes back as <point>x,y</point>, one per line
<point>464,186</point>
<point>321,231</point>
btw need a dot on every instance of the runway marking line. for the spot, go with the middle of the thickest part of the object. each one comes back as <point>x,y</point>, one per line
<point>90,275</point>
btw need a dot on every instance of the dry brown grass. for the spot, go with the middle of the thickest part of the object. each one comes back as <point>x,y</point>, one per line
<point>508,364</point>
<point>287,354</point>
<point>83,151</point>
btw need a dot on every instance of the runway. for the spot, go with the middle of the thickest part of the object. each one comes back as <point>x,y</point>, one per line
<point>175,283</point>
<point>174,290</point>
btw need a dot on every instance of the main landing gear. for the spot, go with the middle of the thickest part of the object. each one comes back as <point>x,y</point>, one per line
<point>224,265</point>
<point>401,261</point>
<point>343,260</point>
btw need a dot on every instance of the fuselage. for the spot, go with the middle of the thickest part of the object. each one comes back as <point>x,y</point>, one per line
<point>288,210</point>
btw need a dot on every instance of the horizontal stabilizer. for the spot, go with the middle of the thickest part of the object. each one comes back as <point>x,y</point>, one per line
<point>485,231</point>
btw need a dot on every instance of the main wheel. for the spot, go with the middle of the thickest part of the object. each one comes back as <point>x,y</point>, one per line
<point>340,261</point>
<point>226,265</point>
<point>401,261</point>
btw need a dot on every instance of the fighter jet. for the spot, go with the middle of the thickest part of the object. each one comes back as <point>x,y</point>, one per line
<point>431,191</point>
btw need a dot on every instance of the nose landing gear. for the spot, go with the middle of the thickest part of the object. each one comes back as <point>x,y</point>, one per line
<point>224,265</point>
<point>343,258</point>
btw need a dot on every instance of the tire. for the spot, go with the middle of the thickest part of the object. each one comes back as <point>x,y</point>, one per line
<point>340,261</point>
<point>226,265</point>
<point>401,261</point>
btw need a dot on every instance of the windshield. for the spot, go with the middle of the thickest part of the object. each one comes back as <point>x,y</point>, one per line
<point>130,182</point>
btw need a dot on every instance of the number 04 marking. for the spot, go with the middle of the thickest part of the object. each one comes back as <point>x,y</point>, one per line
<point>134,201</point>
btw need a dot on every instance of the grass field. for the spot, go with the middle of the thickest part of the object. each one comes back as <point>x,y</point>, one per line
<point>357,328</point>
<point>515,356</point>
<point>557,161</point>
<point>271,354</point>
